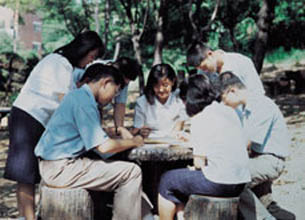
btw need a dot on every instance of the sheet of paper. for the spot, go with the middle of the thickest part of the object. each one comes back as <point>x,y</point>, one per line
<point>167,140</point>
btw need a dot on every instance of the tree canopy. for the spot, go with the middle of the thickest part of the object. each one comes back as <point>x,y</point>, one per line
<point>155,31</point>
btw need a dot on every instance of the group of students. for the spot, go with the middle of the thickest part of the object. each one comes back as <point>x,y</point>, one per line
<point>56,120</point>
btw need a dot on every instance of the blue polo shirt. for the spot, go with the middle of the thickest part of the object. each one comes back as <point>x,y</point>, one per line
<point>74,128</point>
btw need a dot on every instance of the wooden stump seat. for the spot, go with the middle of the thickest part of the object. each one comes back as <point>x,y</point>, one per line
<point>65,204</point>
<point>201,207</point>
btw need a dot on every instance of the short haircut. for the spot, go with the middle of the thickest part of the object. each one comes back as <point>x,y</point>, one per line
<point>129,67</point>
<point>228,80</point>
<point>196,53</point>
<point>97,71</point>
<point>200,93</point>
<point>156,73</point>
<point>80,46</point>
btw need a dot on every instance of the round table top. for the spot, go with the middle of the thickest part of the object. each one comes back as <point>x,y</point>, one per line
<point>160,152</point>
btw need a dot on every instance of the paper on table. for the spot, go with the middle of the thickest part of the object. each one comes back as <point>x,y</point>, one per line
<point>167,140</point>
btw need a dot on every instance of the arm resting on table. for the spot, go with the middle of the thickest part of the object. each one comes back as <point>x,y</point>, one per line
<point>118,145</point>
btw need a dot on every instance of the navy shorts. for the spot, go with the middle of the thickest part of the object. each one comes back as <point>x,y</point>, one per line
<point>24,134</point>
<point>177,185</point>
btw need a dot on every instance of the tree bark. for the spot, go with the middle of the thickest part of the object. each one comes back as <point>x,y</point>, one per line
<point>16,26</point>
<point>107,21</point>
<point>96,18</point>
<point>265,17</point>
<point>136,33</point>
<point>159,39</point>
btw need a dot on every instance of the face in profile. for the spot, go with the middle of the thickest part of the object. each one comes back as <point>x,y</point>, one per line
<point>231,98</point>
<point>209,64</point>
<point>107,92</point>
<point>163,89</point>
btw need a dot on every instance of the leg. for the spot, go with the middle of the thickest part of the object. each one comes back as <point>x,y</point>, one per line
<point>22,165</point>
<point>122,178</point>
<point>264,169</point>
<point>166,208</point>
<point>251,208</point>
<point>180,212</point>
<point>26,200</point>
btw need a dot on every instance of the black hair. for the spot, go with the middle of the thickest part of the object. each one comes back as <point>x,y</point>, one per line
<point>183,87</point>
<point>228,80</point>
<point>156,73</point>
<point>82,44</point>
<point>129,67</point>
<point>97,71</point>
<point>196,53</point>
<point>200,93</point>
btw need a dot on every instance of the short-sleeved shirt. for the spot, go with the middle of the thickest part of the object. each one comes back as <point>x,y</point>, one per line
<point>49,78</point>
<point>265,126</point>
<point>216,132</point>
<point>161,118</point>
<point>74,128</point>
<point>244,69</point>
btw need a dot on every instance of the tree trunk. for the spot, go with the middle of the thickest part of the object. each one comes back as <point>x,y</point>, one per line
<point>215,208</point>
<point>96,18</point>
<point>159,40</point>
<point>136,47</point>
<point>117,48</point>
<point>264,22</point>
<point>107,21</point>
<point>16,26</point>
<point>66,204</point>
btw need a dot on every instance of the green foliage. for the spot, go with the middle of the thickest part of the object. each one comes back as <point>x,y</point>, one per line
<point>6,44</point>
<point>280,55</point>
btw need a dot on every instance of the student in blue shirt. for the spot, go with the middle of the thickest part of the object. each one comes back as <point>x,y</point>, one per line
<point>130,69</point>
<point>74,129</point>
<point>269,142</point>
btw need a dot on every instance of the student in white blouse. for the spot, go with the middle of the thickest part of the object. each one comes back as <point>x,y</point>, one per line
<point>160,111</point>
<point>41,94</point>
<point>219,148</point>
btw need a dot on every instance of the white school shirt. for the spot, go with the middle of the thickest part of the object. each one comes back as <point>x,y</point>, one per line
<point>39,95</point>
<point>265,126</point>
<point>161,118</point>
<point>217,133</point>
<point>244,69</point>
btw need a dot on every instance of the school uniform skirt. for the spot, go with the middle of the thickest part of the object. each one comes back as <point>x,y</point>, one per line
<point>24,134</point>
<point>177,185</point>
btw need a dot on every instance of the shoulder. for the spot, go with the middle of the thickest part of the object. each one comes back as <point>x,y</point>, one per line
<point>239,56</point>
<point>55,60</point>
<point>142,100</point>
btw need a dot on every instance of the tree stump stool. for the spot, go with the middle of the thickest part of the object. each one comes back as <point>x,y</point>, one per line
<point>65,204</point>
<point>201,207</point>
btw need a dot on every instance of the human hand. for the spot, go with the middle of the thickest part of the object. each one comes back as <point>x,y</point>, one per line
<point>145,131</point>
<point>191,168</point>
<point>138,140</point>
<point>125,134</point>
<point>182,136</point>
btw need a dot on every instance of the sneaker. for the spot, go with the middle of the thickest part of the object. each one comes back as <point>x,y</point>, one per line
<point>279,213</point>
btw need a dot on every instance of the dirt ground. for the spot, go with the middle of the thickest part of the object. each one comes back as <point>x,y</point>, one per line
<point>288,190</point>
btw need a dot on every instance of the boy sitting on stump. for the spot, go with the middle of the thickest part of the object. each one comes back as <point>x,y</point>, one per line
<point>75,129</point>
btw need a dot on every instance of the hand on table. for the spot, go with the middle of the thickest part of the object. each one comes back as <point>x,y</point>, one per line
<point>139,141</point>
<point>145,131</point>
<point>182,136</point>
<point>124,133</point>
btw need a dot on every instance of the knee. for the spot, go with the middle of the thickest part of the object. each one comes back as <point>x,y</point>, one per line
<point>135,171</point>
